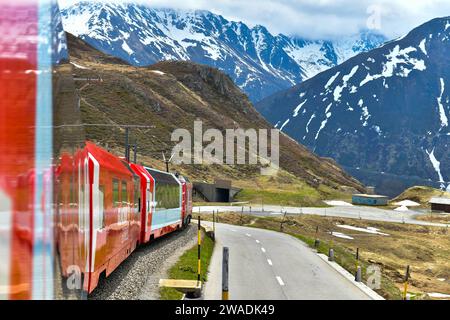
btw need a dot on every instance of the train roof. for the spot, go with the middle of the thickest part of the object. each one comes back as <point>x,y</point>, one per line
<point>141,171</point>
<point>107,160</point>
<point>161,176</point>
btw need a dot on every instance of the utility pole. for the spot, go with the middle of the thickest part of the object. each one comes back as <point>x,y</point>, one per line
<point>135,153</point>
<point>127,148</point>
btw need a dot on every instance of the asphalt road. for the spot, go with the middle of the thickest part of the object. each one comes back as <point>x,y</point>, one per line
<point>353,212</point>
<point>267,265</point>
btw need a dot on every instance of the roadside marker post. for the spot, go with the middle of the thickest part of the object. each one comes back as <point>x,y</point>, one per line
<point>225,259</point>
<point>358,268</point>
<point>282,221</point>
<point>358,274</point>
<point>331,255</point>
<point>405,289</point>
<point>199,243</point>
<point>316,241</point>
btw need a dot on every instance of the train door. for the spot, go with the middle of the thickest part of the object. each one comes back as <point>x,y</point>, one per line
<point>83,218</point>
<point>148,206</point>
<point>96,212</point>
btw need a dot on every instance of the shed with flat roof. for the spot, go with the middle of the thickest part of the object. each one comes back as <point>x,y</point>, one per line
<point>370,199</point>
<point>440,204</point>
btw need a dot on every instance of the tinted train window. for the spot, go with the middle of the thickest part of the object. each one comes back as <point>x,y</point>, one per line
<point>116,193</point>
<point>167,190</point>
<point>124,193</point>
<point>168,196</point>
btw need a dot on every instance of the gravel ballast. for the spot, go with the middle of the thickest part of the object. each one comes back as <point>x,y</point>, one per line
<point>138,276</point>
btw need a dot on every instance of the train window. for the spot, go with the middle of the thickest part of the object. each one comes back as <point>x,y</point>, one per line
<point>102,222</point>
<point>116,201</point>
<point>137,197</point>
<point>124,193</point>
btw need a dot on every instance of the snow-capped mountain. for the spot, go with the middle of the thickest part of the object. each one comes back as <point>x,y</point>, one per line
<point>260,63</point>
<point>384,113</point>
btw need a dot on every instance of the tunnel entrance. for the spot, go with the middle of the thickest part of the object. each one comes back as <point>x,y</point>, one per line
<point>222,195</point>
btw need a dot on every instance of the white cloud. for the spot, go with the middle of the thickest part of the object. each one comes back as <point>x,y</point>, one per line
<point>317,18</point>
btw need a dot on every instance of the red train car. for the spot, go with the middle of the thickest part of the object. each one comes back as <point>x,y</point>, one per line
<point>147,186</point>
<point>113,218</point>
<point>166,205</point>
<point>186,207</point>
<point>164,202</point>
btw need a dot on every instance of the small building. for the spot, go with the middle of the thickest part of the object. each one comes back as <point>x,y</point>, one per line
<point>370,190</point>
<point>440,204</point>
<point>370,199</point>
<point>219,191</point>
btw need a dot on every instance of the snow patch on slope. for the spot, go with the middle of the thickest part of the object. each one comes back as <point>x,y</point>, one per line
<point>436,165</point>
<point>442,115</point>
<point>399,63</point>
<point>338,90</point>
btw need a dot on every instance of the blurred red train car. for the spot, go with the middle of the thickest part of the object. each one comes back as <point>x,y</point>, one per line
<point>69,210</point>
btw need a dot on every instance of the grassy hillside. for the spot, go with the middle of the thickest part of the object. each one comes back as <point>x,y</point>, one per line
<point>171,95</point>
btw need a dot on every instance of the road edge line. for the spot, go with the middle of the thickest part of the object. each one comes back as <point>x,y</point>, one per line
<point>351,278</point>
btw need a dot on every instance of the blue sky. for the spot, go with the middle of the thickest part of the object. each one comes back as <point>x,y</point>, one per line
<point>317,18</point>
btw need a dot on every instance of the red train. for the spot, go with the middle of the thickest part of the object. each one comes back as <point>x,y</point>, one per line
<point>70,211</point>
<point>120,206</point>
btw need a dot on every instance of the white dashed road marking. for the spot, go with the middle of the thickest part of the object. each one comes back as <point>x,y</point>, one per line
<point>257,241</point>
<point>263,250</point>
<point>280,281</point>
<point>269,262</point>
<point>248,234</point>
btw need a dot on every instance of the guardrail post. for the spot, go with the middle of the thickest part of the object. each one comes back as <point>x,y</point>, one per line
<point>225,259</point>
